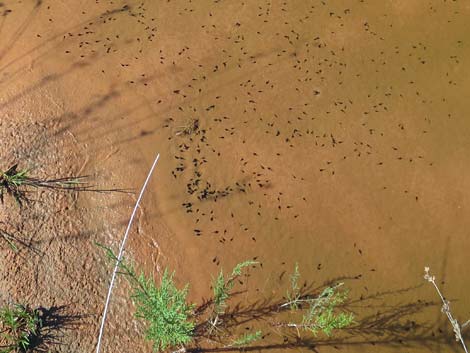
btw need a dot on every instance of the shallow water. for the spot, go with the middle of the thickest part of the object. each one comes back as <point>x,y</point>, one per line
<point>332,134</point>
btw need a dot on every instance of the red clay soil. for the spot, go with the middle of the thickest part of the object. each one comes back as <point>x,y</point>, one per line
<point>330,134</point>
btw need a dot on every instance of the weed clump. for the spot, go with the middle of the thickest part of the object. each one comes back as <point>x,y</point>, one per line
<point>162,306</point>
<point>165,309</point>
<point>222,288</point>
<point>173,322</point>
<point>319,314</point>
<point>17,183</point>
<point>19,325</point>
<point>191,126</point>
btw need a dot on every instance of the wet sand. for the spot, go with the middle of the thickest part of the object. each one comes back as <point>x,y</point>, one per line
<point>330,134</point>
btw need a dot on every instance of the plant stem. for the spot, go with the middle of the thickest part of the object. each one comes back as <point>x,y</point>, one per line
<point>296,301</point>
<point>446,309</point>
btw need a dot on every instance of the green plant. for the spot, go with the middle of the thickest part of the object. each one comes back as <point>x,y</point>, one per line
<point>161,305</point>
<point>19,324</point>
<point>321,316</point>
<point>293,295</point>
<point>222,286</point>
<point>17,183</point>
<point>246,339</point>
<point>165,309</point>
<point>9,239</point>
<point>11,182</point>
<point>173,322</point>
<point>319,313</point>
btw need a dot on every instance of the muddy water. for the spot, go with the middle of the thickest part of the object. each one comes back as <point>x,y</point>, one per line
<point>329,133</point>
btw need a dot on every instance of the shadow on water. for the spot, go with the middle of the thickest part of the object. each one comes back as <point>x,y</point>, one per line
<point>393,326</point>
<point>42,82</point>
<point>58,37</point>
<point>72,119</point>
<point>54,76</point>
<point>113,123</point>
<point>21,29</point>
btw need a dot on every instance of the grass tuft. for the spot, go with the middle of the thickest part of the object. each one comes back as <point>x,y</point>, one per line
<point>19,325</point>
<point>18,182</point>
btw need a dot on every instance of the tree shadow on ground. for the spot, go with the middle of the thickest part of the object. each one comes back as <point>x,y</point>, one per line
<point>400,325</point>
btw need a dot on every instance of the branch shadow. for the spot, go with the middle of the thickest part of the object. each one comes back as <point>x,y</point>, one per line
<point>400,325</point>
<point>44,81</point>
<point>14,238</point>
<point>101,18</point>
<point>21,29</point>
<point>189,99</point>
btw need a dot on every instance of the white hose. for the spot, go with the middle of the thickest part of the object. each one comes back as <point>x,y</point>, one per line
<point>121,252</point>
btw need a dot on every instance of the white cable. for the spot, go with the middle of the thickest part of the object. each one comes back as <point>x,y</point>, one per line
<point>121,251</point>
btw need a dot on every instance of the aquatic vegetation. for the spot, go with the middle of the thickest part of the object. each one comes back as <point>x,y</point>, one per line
<point>165,309</point>
<point>222,288</point>
<point>293,295</point>
<point>446,309</point>
<point>161,305</point>
<point>191,126</point>
<point>172,321</point>
<point>246,339</point>
<point>319,314</point>
<point>19,324</point>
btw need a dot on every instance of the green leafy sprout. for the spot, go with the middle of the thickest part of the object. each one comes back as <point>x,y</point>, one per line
<point>9,239</point>
<point>19,324</point>
<point>246,339</point>
<point>320,313</point>
<point>165,309</point>
<point>173,322</point>
<point>222,287</point>
<point>11,182</point>
<point>293,295</point>
<point>17,182</point>
<point>161,305</point>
